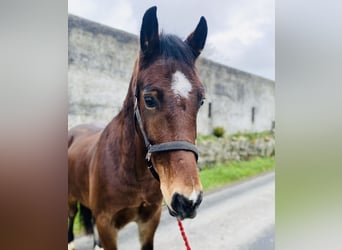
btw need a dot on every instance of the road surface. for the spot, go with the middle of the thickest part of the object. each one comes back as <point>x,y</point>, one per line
<point>237,217</point>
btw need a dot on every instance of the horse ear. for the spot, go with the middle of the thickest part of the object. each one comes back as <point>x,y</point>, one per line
<point>196,39</point>
<point>149,35</point>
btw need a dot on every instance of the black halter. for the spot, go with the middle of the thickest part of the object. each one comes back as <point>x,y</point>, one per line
<point>162,147</point>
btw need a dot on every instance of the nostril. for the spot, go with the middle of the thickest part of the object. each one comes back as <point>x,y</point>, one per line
<point>199,199</point>
<point>180,202</point>
<point>183,207</point>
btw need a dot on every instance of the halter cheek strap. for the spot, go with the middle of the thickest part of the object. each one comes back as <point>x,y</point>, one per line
<point>162,147</point>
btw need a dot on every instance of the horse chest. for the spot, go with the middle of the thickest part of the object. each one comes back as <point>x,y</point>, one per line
<point>142,213</point>
<point>146,194</point>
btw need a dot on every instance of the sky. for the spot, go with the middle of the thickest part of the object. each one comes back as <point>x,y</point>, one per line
<point>241,33</point>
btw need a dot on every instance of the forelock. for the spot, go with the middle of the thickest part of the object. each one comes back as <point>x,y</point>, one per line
<point>172,47</point>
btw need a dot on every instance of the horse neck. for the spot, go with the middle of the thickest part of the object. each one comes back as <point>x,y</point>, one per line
<point>123,140</point>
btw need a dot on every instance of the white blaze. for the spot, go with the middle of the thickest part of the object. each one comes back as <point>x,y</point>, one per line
<point>181,85</point>
<point>193,196</point>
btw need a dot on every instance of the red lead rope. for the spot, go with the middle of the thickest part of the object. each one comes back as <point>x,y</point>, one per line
<point>181,228</point>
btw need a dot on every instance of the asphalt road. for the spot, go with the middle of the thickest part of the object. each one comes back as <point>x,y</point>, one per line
<point>237,217</point>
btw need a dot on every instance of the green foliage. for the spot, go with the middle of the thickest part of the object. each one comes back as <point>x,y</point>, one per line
<point>219,131</point>
<point>253,136</point>
<point>250,136</point>
<point>78,227</point>
<point>205,138</point>
<point>221,174</point>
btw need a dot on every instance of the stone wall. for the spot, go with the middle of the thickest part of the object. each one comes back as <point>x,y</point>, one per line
<point>101,61</point>
<point>235,148</point>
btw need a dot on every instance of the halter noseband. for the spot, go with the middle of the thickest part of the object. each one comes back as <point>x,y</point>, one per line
<point>162,147</point>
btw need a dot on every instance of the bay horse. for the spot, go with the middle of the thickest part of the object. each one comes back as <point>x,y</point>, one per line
<point>109,169</point>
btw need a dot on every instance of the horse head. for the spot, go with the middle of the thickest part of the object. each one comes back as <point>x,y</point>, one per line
<point>169,94</point>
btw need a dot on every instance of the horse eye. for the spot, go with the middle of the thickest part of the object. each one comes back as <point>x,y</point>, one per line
<point>202,102</point>
<point>150,101</point>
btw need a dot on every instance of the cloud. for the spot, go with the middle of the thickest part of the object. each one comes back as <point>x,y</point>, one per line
<point>117,14</point>
<point>246,31</point>
<point>84,8</point>
<point>121,16</point>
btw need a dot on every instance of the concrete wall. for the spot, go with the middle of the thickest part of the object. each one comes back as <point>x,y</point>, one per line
<point>100,65</point>
<point>233,94</point>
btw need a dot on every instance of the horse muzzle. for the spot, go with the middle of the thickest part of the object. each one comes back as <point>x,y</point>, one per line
<point>183,207</point>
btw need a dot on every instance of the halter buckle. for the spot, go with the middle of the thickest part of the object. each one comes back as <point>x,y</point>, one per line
<point>148,155</point>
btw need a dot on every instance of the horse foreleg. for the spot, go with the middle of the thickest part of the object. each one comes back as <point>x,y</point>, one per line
<point>71,245</point>
<point>107,232</point>
<point>71,214</point>
<point>148,225</point>
<point>97,242</point>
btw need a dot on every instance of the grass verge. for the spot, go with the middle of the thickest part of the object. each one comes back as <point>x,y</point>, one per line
<point>221,174</point>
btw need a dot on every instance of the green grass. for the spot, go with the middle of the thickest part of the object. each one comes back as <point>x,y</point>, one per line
<point>205,138</point>
<point>78,227</point>
<point>253,136</point>
<point>250,136</point>
<point>221,174</point>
